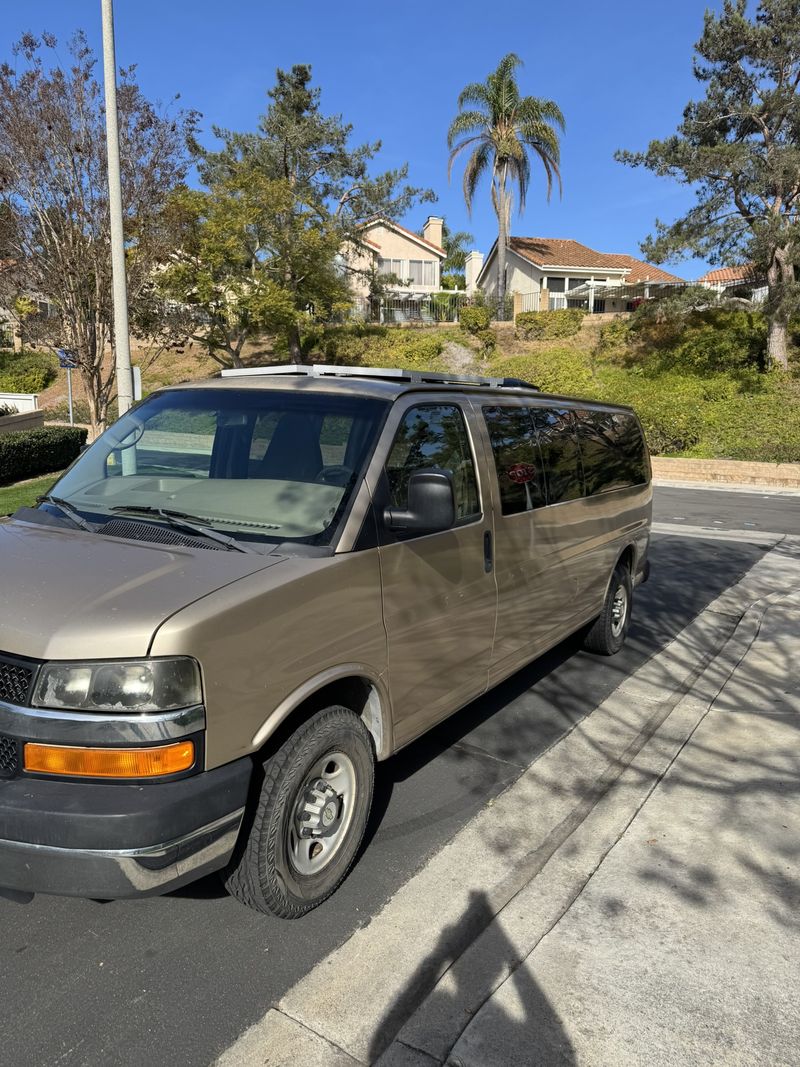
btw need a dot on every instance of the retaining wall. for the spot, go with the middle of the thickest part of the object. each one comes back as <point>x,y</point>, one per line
<point>727,471</point>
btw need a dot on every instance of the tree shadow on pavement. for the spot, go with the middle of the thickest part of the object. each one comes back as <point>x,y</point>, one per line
<point>534,1036</point>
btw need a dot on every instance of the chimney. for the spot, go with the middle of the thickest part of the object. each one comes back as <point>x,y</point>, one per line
<point>472,268</point>
<point>432,230</point>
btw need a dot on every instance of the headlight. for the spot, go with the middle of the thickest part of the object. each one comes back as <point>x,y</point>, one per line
<point>124,685</point>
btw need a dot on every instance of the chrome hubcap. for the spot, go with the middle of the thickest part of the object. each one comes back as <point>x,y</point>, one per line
<point>619,611</point>
<point>323,813</point>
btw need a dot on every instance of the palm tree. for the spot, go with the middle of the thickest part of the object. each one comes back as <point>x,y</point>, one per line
<point>500,128</point>
<point>455,244</point>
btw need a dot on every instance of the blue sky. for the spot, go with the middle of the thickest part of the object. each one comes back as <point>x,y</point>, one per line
<point>621,75</point>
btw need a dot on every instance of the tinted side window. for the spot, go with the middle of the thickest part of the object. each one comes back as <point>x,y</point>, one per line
<point>603,464</point>
<point>434,435</point>
<point>558,442</point>
<point>630,441</point>
<point>612,450</point>
<point>516,459</point>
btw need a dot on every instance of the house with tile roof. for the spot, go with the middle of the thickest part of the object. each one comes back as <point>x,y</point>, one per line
<point>723,277</point>
<point>546,272</point>
<point>744,281</point>
<point>414,259</point>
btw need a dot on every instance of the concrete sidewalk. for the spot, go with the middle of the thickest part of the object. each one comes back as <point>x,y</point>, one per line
<point>684,946</point>
<point>632,898</point>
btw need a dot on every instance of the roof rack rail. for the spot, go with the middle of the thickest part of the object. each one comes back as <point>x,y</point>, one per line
<point>415,377</point>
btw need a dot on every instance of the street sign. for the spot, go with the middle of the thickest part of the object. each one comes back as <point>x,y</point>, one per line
<point>67,359</point>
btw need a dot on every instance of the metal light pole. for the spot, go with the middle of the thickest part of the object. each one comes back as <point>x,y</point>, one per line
<point>122,348</point>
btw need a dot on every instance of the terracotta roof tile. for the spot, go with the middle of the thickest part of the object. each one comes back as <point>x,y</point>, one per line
<point>641,271</point>
<point>558,252</point>
<point>742,273</point>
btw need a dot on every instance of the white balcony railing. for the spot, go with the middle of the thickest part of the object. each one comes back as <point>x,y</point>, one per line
<point>420,308</point>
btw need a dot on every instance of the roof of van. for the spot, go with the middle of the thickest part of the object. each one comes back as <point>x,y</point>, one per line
<point>380,383</point>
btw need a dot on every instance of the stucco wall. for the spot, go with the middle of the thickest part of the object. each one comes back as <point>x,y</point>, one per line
<point>395,245</point>
<point>524,277</point>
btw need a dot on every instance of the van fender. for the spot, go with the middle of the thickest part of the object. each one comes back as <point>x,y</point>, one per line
<point>376,714</point>
<point>631,547</point>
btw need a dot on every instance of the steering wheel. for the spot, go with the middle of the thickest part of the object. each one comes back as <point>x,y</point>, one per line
<point>336,474</point>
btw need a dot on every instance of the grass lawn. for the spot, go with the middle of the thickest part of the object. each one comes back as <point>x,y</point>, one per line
<point>23,493</point>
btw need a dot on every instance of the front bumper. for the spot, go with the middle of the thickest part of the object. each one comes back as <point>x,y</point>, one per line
<point>92,839</point>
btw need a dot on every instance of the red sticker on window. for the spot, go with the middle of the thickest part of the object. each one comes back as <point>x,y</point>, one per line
<point>521,473</point>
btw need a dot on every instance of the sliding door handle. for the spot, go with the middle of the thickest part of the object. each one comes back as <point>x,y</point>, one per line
<point>488,561</point>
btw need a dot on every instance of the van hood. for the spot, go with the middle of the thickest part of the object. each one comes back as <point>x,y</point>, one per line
<point>69,594</point>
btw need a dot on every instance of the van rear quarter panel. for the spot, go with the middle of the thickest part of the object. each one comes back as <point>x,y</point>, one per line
<point>553,563</point>
<point>553,566</point>
<point>262,638</point>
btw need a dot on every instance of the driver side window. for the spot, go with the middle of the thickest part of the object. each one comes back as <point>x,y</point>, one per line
<point>434,436</point>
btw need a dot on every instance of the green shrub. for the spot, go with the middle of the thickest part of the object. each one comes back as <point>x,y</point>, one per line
<point>474,320</point>
<point>59,412</point>
<point>615,341</point>
<point>363,345</point>
<point>669,406</point>
<point>545,325</point>
<point>488,342</point>
<point>705,341</point>
<point>554,370</point>
<point>26,453</point>
<point>26,372</point>
<point>720,340</point>
<point>763,426</point>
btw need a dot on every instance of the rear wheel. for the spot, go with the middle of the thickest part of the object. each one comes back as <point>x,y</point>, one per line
<point>609,630</point>
<point>310,817</point>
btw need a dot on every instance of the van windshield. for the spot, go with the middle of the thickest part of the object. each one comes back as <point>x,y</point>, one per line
<point>256,465</point>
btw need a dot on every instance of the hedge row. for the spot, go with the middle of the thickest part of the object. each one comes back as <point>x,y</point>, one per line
<point>27,453</point>
<point>543,325</point>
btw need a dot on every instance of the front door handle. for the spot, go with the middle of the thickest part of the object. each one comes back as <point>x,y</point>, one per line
<point>488,561</point>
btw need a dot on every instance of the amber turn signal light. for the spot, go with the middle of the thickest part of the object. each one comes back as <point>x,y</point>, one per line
<point>109,762</point>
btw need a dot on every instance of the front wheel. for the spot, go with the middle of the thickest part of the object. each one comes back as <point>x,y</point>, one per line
<point>310,816</point>
<point>609,630</point>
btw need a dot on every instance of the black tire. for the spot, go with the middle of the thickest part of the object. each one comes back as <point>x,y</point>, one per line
<point>608,632</point>
<point>266,872</point>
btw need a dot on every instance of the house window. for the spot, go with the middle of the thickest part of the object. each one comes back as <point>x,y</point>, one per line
<point>391,266</point>
<point>422,272</point>
<point>556,285</point>
<point>576,283</point>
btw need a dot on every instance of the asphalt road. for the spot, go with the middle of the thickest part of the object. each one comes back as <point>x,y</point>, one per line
<point>176,979</point>
<point>726,510</point>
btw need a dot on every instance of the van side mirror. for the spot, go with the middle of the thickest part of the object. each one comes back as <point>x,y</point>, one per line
<point>431,504</point>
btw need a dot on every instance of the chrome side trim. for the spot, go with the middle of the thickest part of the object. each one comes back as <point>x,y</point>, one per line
<point>119,873</point>
<point>88,728</point>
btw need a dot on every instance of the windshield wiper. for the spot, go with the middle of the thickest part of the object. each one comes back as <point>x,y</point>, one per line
<point>67,508</point>
<point>181,520</point>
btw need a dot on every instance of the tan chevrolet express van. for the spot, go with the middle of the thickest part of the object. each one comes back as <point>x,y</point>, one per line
<point>248,590</point>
